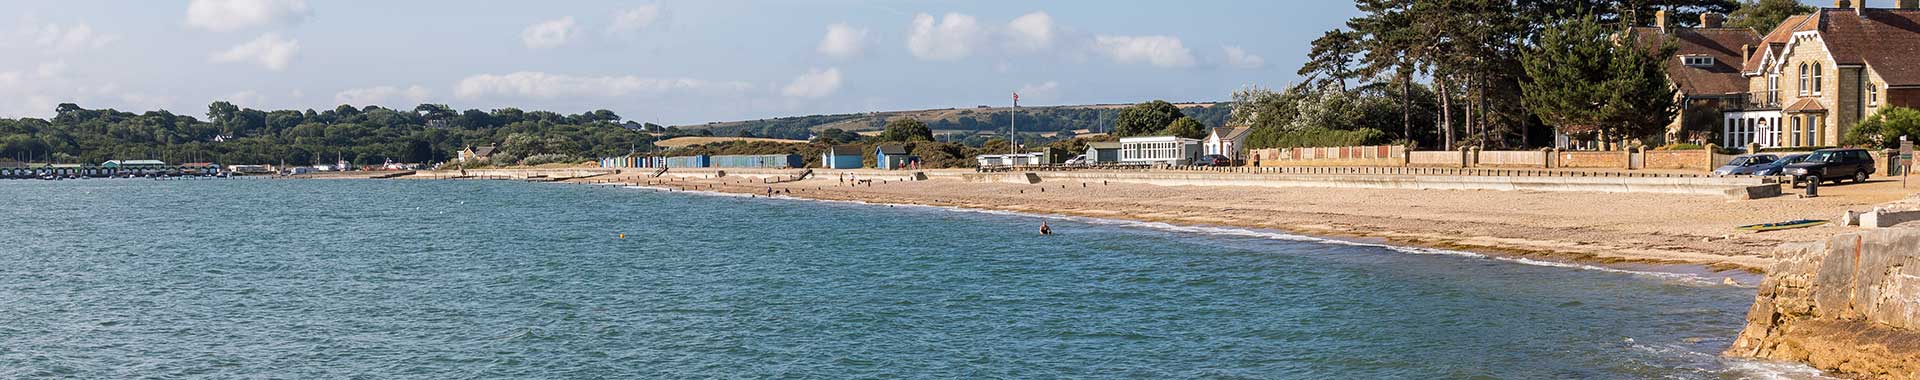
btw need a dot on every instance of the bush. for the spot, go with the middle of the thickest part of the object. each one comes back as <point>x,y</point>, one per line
<point>1321,137</point>
<point>1886,127</point>
<point>543,159</point>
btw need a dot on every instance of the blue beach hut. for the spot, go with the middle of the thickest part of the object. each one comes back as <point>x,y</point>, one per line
<point>841,157</point>
<point>892,157</point>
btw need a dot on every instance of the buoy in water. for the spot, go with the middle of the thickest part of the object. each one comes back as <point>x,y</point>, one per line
<point>623,236</point>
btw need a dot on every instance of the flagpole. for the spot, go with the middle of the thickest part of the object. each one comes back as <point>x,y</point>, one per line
<point>1013,129</point>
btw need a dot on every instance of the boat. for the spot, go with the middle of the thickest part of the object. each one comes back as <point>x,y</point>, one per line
<point>1764,227</point>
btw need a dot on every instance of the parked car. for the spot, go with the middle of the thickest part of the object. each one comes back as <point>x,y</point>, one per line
<point>1213,160</point>
<point>1833,165</point>
<point>1745,165</point>
<point>1779,167</point>
<point>1080,160</point>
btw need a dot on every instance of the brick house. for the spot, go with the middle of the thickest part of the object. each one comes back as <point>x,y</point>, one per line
<point>1816,75</point>
<point>1705,71</point>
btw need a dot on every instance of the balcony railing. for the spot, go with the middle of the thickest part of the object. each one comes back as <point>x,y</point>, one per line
<point>1759,100</point>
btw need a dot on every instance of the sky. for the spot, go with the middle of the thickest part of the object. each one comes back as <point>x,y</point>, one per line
<point>667,61</point>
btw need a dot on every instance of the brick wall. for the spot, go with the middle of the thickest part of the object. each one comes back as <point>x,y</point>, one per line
<point>1611,160</point>
<point>1679,159</point>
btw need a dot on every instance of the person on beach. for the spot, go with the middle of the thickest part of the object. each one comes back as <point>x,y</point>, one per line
<point>1045,230</point>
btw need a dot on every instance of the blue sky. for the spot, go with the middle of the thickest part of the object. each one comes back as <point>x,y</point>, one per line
<point>666,61</point>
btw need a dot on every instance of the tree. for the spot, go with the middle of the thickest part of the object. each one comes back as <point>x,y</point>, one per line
<point>1764,15</point>
<point>1331,60</point>
<point>1186,127</point>
<point>1583,81</point>
<point>1146,118</point>
<point>906,129</point>
<point>1641,101</point>
<point>1886,127</point>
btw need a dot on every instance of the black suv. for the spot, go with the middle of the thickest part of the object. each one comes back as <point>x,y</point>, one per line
<point>1213,160</point>
<point>1833,165</point>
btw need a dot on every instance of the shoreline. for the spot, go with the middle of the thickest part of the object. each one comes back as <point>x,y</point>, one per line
<point>1701,275</point>
<point>1741,254</point>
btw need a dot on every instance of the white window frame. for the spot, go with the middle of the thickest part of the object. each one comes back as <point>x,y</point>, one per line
<point>1819,80</point>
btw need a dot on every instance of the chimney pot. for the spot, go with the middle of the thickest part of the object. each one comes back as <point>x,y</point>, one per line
<point>1712,20</point>
<point>1746,53</point>
<point>1860,7</point>
<point>1660,20</point>
<point>1843,3</point>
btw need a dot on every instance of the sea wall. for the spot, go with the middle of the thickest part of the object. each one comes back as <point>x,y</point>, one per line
<point>1850,304</point>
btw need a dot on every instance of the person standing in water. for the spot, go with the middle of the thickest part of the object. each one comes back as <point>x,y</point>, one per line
<point>1045,230</point>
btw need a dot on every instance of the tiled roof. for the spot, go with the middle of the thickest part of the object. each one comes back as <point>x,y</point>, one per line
<point>1104,145</point>
<point>893,149</point>
<point>1805,105</point>
<point>1886,39</point>
<point>1723,44</point>
<point>1234,133</point>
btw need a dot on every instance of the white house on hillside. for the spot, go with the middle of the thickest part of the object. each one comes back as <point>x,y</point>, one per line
<point>1227,141</point>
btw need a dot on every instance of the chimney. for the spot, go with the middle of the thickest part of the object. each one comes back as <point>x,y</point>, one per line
<point>1746,53</point>
<point>1860,7</point>
<point>1712,20</point>
<point>1843,3</point>
<point>1660,20</point>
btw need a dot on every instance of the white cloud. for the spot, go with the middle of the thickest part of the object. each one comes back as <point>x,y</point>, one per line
<point>954,37</point>
<point>1240,59</point>
<point>843,41</point>
<point>634,19</point>
<point>54,69</point>
<point>383,95</point>
<point>548,34</point>
<point>815,83</point>
<point>245,98</point>
<point>270,50</point>
<point>230,15</point>
<point>1043,91</point>
<point>1031,32</point>
<point>528,84</point>
<point>1162,51</point>
<point>56,38</point>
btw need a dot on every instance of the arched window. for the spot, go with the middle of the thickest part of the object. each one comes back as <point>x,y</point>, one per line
<point>1803,79</point>
<point>1873,94</point>
<point>1816,79</point>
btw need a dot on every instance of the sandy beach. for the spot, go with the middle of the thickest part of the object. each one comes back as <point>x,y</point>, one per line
<point>1570,226</point>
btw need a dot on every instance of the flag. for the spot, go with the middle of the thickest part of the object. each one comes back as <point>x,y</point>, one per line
<point>1016,98</point>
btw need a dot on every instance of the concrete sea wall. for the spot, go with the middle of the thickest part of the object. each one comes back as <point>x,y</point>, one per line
<point>1850,304</point>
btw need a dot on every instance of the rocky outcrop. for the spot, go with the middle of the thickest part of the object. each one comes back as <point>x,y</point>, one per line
<point>1849,305</point>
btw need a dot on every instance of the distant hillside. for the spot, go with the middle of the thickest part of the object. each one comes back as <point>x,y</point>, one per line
<point>1047,119</point>
<point>681,142</point>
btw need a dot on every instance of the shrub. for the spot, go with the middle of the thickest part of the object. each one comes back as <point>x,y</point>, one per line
<point>543,159</point>
<point>1886,127</point>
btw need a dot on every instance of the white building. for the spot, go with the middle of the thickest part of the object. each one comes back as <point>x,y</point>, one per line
<point>1227,141</point>
<point>1164,150</point>
<point>1017,159</point>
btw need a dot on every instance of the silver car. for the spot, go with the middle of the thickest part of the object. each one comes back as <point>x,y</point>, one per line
<point>1745,165</point>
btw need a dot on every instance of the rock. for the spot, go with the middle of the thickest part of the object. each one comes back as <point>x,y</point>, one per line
<point>1850,304</point>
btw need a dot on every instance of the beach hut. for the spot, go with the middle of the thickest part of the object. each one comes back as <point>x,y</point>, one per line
<point>1103,152</point>
<point>1159,150</point>
<point>892,157</point>
<point>841,157</point>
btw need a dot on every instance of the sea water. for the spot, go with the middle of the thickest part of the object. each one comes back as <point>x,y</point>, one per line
<point>258,278</point>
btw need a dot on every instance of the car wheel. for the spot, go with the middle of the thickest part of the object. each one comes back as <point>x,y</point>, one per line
<point>1859,177</point>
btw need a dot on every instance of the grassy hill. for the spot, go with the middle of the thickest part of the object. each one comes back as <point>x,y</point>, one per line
<point>1046,119</point>
<point>685,141</point>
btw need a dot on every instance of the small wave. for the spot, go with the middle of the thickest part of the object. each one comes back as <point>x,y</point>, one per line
<point>1688,278</point>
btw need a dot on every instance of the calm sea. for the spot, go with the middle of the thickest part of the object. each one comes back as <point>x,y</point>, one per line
<point>254,278</point>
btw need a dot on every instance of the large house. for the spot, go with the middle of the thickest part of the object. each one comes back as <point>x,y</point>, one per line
<point>1705,71</point>
<point>1816,75</point>
<point>476,153</point>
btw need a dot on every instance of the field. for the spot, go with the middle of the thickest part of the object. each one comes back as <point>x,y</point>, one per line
<point>681,142</point>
